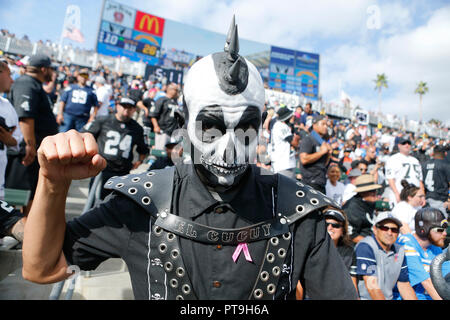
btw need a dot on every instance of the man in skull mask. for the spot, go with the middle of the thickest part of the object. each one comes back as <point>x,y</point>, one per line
<point>218,228</point>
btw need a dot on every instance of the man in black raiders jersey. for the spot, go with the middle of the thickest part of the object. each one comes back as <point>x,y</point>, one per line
<point>116,135</point>
<point>436,174</point>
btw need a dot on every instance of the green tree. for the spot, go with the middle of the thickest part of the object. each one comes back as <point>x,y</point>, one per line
<point>380,83</point>
<point>421,90</point>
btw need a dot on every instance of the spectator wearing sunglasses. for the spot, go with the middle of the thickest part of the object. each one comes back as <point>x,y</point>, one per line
<point>337,226</point>
<point>381,263</point>
<point>422,247</point>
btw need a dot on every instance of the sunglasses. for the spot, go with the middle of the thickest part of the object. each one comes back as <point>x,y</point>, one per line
<point>334,225</point>
<point>384,228</point>
<point>438,229</point>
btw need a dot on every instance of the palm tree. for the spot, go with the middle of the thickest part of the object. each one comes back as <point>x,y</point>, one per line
<point>421,90</point>
<point>380,82</point>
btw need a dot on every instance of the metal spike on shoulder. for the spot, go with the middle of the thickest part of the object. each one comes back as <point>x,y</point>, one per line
<point>233,47</point>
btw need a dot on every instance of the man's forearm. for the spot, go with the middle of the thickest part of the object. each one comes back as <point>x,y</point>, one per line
<point>306,158</point>
<point>27,128</point>
<point>43,261</point>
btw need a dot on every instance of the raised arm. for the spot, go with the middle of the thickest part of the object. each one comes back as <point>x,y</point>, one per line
<point>63,157</point>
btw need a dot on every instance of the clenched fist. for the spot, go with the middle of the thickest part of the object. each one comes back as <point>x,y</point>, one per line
<point>69,156</point>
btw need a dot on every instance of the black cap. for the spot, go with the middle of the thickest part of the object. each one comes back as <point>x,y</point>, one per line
<point>127,102</point>
<point>41,60</point>
<point>403,140</point>
<point>317,118</point>
<point>334,214</point>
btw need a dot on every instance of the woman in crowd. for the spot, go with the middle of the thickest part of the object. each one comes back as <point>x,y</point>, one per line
<point>334,188</point>
<point>411,199</point>
<point>337,228</point>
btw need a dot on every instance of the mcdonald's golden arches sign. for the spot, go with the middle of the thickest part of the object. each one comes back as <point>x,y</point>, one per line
<point>148,23</point>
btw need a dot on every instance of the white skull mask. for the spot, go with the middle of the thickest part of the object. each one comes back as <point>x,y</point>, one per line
<point>222,127</point>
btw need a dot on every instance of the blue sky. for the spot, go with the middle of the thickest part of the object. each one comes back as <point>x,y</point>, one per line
<point>409,45</point>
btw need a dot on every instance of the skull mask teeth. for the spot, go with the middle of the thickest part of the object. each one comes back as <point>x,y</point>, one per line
<point>231,90</point>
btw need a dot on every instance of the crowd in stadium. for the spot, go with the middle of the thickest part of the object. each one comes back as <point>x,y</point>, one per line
<point>380,176</point>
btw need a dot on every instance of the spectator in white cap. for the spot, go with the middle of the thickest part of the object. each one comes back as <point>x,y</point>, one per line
<point>381,263</point>
<point>103,95</point>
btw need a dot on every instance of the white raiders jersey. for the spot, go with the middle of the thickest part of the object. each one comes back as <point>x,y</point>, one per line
<point>401,167</point>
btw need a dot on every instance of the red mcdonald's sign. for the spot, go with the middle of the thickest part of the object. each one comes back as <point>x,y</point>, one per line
<point>148,23</point>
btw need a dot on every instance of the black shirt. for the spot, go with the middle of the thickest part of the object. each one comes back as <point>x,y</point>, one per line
<point>149,103</point>
<point>436,179</point>
<point>116,141</point>
<point>313,173</point>
<point>120,228</point>
<point>31,101</point>
<point>164,112</point>
<point>161,163</point>
<point>8,218</point>
<point>360,215</point>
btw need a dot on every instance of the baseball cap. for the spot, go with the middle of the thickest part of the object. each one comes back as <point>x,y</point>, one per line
<point>386,215</point>
<point>403,140</point>
<point>41,60</point>
<point>317,118</point>
<point>354,173</point>
<point>100,79</point>
<point>84,71</point>
<point>334,214</point>
<point>127,102</point>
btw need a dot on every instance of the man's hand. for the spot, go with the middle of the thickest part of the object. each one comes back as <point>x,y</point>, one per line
<point>60,119</point>
<point>30,154</point>
<point>69,156</point>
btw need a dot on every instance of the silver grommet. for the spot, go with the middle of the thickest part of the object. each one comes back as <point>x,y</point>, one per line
<point>300,193</point>
<point>168,266</point>
<point>327,200</point>
<point>170,236</point>
<point>299,208</point>
<point>264,276</point>
<point>132,191</point>
<point>179,297</point>
<point>180,272</point>
<point>274,241</point>
<point>136,179</point>
<point>282,253</point>
<point>119,185</point>
<point>150,173</point>
<point>283,220</point>
<point>314,201</point>
<point>109,183</point>
<point>163,214</point>
<point>271,288</point>
<point>258,293</point>
<point>300,184</point>
<point>146,200</point>
<point>174,283</point>
<point>313,191</point>
<point>174,254</point>
<point>186,289</point>
<point>287,236</point>
<point>276,271</point>
<point>270,257</point>
<point>148,185</point>
<point>162,248</point>
<point>158,230</point>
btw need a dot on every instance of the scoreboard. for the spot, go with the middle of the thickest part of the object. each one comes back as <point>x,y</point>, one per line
<point>125,31</point>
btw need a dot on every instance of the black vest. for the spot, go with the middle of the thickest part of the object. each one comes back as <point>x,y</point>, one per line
<point>295,200</point>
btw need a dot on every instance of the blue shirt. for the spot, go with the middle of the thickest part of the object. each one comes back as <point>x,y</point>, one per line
<point>418,261</point>
<point>366,262</point>
<point>79,100</point>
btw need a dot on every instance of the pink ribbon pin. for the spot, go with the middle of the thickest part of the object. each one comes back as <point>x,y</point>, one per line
<point>242,246</point>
